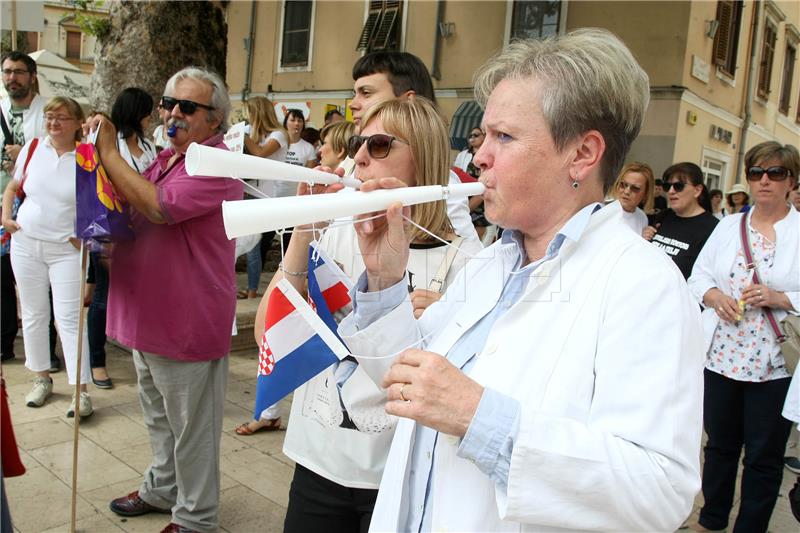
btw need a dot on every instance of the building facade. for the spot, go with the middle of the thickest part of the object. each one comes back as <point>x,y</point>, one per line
<point>722,73</point>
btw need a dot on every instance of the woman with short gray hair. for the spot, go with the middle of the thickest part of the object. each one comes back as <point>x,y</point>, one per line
<point>532,396</point>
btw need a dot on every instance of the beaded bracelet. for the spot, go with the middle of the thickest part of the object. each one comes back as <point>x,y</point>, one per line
<point>289,272</point>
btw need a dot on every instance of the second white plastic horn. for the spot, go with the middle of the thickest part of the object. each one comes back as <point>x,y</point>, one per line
<point>245,217</point>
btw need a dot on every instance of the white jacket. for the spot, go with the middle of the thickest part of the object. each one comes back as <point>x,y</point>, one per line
<point>713,265</point>
<point>32,118</point>
<point>604,355</point>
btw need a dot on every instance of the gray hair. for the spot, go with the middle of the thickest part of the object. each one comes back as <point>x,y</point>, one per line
<point>219,95</point>
<point>590,81</point>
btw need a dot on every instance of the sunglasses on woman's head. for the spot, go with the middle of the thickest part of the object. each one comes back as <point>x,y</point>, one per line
<point>378,145</point>
<point>773,173</point>
<point>677,185</point>
<point>635,189</point>
<point>187,107</point>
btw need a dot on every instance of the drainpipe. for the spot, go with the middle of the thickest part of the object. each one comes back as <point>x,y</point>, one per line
<point>249,46</point>
<point>748,102</point>
<point>437,39</point>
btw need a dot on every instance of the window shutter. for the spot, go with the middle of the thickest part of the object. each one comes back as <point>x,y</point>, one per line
<point>767,55</point>
<point>723,40</point>
<point>375,10</point>
<point>388,20</point>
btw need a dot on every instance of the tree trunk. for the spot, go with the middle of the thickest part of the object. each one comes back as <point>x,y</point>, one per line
<point>149,41</point>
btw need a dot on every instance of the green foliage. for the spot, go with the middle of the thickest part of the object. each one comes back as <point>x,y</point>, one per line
<point>99,26</point>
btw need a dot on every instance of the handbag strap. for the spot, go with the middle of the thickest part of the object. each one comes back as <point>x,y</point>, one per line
<point>751,265</point>
<point>8,138</point>
<point>437,282</point>
<point>34,144</point>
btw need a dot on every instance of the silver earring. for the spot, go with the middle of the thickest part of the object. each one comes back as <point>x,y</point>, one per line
<point>575,184</point>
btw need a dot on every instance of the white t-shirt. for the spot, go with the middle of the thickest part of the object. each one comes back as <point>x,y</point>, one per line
<point>139,164</point>
<point>48,212</point>
<point>160,137</point>
<point>298,153</point>
<point>637,220</point>
<point>354,457</point>
<point>269,187</point>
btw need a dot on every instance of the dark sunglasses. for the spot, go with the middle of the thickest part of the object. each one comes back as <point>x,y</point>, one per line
<point>677,185</point>
<point>475,135</point>
<point>773,173</point>
<point>187,107</point>
<point>635,189</point>
<point>378,145</point>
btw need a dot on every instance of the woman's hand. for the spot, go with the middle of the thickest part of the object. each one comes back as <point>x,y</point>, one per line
<point>304,189</point>
<point>421,299</point>
<point>10,225</point>
<point>726,307</point>
<point>759,295</point>
<point>650,231</point>
<point>383,240</point>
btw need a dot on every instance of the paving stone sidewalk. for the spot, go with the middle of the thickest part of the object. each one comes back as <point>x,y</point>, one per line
<point>114,452</point>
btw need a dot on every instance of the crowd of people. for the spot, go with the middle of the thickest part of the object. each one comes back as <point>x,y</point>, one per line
<point>501,375</point>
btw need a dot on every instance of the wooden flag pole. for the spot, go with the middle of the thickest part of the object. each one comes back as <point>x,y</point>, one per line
<point>81,318</point>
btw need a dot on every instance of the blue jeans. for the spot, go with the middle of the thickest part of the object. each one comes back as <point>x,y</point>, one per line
<point>255,260</point>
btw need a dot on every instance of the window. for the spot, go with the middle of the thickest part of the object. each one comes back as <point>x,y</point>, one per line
<point>32,40</point>
<point>535,19</point>
<point>726,40</point>
<point>767,55</point>
<point>788,74</point>
<point>715,166</point>
<point>296,33</point>
<point>382,28</point>
<point>73,45</point>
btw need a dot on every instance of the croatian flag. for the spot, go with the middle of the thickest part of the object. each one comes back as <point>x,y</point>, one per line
<point>328,287</point>
<point>296,346</point>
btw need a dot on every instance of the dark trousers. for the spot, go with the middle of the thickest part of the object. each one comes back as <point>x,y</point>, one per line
<point>317,504</point>
<point>8,311</point>
<point>745,414</point>
<point>96,317</point>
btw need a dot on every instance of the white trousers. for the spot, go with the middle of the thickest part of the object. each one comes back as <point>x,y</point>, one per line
<point>38,266</point>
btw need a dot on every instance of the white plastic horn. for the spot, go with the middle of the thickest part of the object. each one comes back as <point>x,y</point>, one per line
<point>209,161</point>
<point>245,217</point>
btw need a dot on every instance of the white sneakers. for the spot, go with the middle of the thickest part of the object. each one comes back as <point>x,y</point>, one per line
<point>86,406</point>
<point>42,389</point>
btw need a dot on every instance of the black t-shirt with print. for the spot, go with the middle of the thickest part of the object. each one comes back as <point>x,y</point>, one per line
<point>682,238</point>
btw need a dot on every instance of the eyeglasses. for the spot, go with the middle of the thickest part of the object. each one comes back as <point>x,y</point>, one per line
<point>635,189</point>
<point>378,145</point>
<point>677,185</point>
<point>15,71</point>
<point>187,107</point>
<point>57,118</point>
<point>475,135</point>
<point>773,173</point>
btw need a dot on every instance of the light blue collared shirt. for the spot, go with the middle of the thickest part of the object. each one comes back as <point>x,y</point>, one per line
<point>489,440</point>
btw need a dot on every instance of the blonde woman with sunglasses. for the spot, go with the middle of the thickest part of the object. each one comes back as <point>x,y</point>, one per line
<point>634,192</point>
<point>338,432</point>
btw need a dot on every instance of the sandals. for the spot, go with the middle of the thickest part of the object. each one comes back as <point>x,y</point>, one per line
<point>245,295</point>
<point>270,425</point>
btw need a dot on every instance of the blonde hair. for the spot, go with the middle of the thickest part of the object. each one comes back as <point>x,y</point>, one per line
<point>260,113</point>
<point>650,182</point>
<point>590,81</point>
<point>72,107</point>
<point>337,135</point>
<point>417,122</point>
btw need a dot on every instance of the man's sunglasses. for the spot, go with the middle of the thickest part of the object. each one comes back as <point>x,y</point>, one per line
<point>187,107</point>
<point>773,173</point>
<point>677,185</point>
<point>635,189</point>
<point>378,145</point>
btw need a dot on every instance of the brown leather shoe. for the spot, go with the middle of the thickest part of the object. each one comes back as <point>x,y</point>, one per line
<point>133,505</point>
<point>177,528</point>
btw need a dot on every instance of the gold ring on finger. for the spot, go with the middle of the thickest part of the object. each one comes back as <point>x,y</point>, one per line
<point>403,386</point>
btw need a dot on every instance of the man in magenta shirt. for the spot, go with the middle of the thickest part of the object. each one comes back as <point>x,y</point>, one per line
<point>172,299</point>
